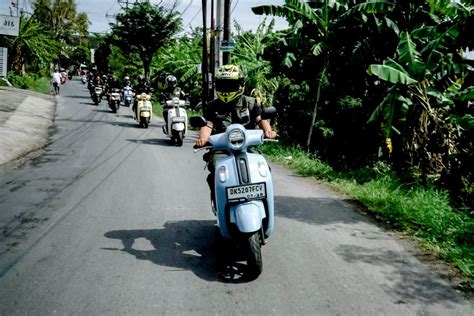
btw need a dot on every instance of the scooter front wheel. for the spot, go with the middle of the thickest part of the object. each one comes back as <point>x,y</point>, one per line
<point>254,253</point>
<point>179,138</point>
<point>144,122</point>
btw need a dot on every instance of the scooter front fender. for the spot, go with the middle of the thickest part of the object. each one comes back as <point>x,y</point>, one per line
<point>248,216</point>
<point>145,114</point>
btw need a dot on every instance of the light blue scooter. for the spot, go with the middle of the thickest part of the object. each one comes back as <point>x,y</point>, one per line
<point>244,202</point>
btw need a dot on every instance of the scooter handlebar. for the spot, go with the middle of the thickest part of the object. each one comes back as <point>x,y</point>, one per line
<point>197,149</point>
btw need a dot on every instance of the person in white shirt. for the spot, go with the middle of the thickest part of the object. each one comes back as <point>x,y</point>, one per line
<point>56,80</point>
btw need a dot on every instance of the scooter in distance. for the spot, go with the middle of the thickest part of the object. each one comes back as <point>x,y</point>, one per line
<point>144,110</point>
<point>243,198</point>
<point>128,96</point>
<point>114,99</point>
<point>176,127</point>
<point>97,94</point>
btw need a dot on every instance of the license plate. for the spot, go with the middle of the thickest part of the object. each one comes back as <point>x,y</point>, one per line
<point>178,119</point>
<point>253,191</point>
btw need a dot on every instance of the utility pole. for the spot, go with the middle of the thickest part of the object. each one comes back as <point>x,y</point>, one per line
<point>213,48</point>
<point>219,29</point>
<point>226,55</point>
<point>204,64</point>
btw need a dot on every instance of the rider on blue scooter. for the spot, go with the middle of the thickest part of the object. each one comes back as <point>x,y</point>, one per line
<point>230,106</point>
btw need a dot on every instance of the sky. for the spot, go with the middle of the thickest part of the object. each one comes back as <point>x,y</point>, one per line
<point>100,12</point>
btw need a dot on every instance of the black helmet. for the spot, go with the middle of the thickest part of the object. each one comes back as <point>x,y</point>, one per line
<point>171,81</point>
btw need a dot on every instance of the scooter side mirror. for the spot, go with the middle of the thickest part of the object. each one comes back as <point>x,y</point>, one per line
<point>197,121</point>
<point>268,113</point>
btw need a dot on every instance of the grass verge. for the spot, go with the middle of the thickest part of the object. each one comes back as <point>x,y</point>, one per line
<point>422,212</point>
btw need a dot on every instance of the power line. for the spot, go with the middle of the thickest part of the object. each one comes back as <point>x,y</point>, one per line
<point>235,6</point>
<point>199,11</point>
<point>187,7</point>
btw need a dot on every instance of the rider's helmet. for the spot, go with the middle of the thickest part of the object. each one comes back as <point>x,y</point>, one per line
<point>229,83</point>
<point>171,82</point>
<point>126,81</point>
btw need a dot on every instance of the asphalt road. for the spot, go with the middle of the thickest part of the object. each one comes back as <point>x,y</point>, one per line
<point>113,219</point>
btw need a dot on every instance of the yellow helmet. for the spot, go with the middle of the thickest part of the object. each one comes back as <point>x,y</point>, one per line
<point>229,83</point>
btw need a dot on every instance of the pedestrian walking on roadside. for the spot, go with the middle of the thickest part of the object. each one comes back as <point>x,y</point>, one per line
<point>56,80</point>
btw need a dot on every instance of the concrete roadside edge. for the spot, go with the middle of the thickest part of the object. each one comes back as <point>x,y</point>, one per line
<point>26,131</point>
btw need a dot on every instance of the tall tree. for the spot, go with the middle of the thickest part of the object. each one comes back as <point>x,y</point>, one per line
<point>61,18</point>
<point>144,29</point>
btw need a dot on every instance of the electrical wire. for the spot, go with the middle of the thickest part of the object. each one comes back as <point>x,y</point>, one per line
<point>187,7</point>
<point>199,11</point>
<point>235,6</point>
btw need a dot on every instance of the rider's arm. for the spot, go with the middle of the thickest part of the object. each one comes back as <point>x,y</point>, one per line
<point>204,134</point>
<point>265,126</point>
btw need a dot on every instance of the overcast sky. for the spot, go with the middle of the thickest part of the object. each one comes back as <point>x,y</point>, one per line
<point>191,12</point>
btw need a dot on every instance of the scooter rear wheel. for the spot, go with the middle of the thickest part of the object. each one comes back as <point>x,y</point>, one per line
<point>254,260</point>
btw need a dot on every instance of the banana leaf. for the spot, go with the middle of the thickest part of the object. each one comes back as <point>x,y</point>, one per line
<point>391,74</point>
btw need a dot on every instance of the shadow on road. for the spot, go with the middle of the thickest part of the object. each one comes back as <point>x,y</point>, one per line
<point>76,96</point>
<point>189,245</point>
<point>151,141</point>
<point>316,211</point>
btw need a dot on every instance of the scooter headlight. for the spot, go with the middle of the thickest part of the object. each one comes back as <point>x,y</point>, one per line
<point>222,172</point>
<point>236,138</point>
<point>262,169</point>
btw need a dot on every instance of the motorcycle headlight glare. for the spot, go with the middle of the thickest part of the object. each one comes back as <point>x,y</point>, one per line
<point>236,138</point>
<point>222,172</point>
<point>262,169</point>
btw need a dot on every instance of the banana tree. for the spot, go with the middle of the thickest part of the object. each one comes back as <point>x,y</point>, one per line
<point>181,59</point>
<point>423,86</point>
<point>312,32</point>
<point>32,46</point>
<point>248,54</point>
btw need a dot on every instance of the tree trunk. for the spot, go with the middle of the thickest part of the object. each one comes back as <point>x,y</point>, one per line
<point>315,110</point>
<point>146,68</point>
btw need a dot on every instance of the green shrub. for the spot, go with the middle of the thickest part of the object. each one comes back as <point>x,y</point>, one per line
<point>30,82</point>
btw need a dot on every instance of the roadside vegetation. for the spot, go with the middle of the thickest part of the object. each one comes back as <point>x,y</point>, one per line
<point>423,212</point>
<point>374,97</point>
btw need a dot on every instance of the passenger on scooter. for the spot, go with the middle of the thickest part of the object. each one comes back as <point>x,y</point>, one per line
<point>127,82</point>
<point>97,81</point>
<point>141,87</point>
<point>111,84</point>
<point>230,107</point>
<point>171,91</point>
